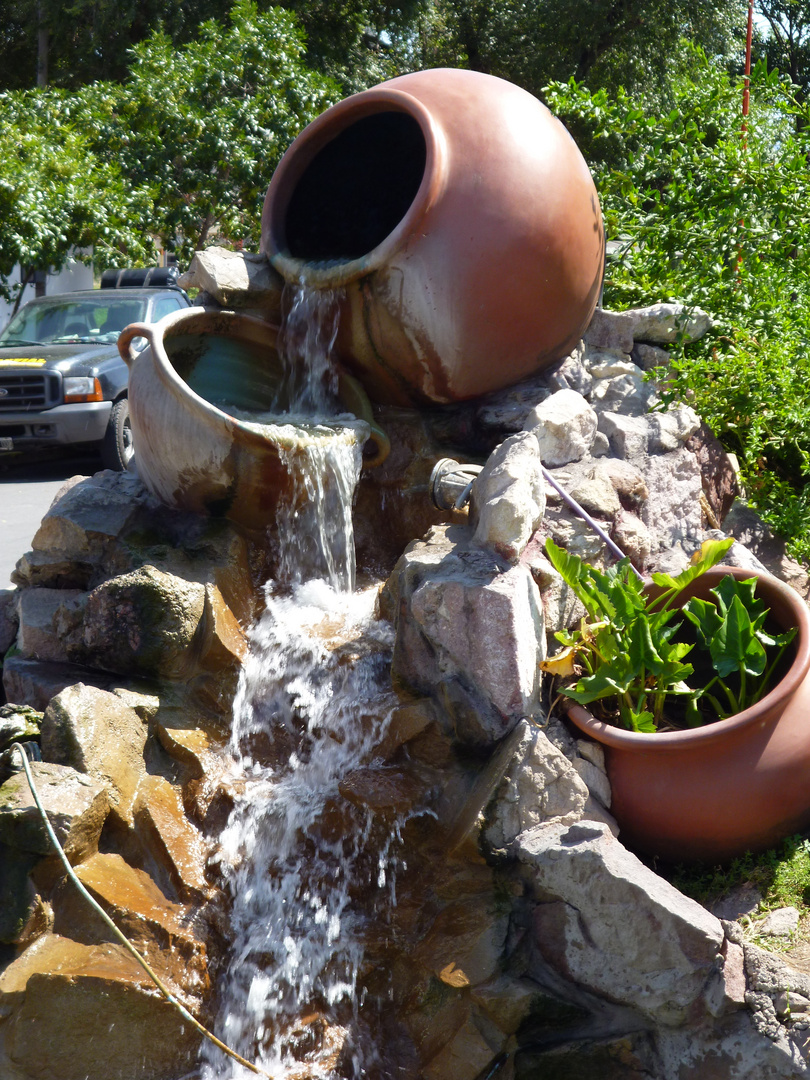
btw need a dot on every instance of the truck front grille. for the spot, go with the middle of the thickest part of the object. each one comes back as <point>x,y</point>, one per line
<point>28,390</point>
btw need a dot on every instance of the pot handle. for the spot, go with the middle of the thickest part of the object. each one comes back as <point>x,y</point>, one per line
<point>127,336</point>
<point>355,399</point>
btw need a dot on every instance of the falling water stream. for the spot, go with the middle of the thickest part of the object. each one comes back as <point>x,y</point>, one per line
<point>305,869</point>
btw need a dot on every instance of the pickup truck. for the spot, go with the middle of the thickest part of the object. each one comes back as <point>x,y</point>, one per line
<point>62,381</point>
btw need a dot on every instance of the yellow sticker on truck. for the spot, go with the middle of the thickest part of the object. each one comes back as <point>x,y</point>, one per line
<point>33,361</point>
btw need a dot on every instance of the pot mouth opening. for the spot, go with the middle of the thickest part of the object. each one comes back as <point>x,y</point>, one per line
<point>351,188</point>
<point>356,189</point>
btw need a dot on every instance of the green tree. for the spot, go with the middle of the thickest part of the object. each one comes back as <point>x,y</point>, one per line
<point>56,194</point>
<point>203,125</point>
<point>607,43</point>
<point>698,212</point>
<point>356,42</point>
<point>86,40</point>
<point>181,152</point>
<point>787,44</point>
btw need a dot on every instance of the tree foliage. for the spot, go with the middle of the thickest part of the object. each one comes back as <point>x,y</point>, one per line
<point>786,47</point>
<point>91,40</point>
<point>185,147</point>
<point>57,194</point>
<point>357,42</point>
<point>607,43</point>
<point>698,211</point>
<point>203,125</point>
<point>87,40</point>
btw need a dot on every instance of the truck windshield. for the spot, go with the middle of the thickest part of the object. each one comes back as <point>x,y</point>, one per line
<point>62,321</point>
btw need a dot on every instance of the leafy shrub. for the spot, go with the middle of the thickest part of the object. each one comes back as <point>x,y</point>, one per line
<point>707,213</point>
<point>630,663</point>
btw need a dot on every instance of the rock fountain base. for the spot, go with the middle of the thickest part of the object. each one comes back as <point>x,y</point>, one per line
<point>525,940</point>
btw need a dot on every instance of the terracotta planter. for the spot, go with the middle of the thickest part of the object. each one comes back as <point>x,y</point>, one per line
<point>739,784</point>
<point>190,451</point>
<point>460,219</point>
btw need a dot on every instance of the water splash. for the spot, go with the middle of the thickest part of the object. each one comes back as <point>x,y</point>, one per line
<point>295,850</point>
<point>296,855</point>
<point>306,343</point>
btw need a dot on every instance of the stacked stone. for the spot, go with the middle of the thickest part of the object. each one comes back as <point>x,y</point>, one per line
<point>526,936</point>
<point>125,655</point>
<point>638,978</point>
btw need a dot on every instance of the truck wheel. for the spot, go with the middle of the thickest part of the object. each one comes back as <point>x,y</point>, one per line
<point>116,446</point>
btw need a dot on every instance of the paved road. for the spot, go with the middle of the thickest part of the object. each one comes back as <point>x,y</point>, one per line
<point>26,493</point>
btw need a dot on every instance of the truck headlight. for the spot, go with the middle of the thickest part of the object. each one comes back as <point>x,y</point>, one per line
<point>82,388</point>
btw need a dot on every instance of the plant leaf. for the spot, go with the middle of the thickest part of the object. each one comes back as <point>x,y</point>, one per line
<point>562,663</point>
<point>569,567</point>
<point>735,646</point>
<point>703,614</point>
<point>453,976</point>
<point>710,554</point>
<point>641,721</point>
<point>729,587</point>
<point>608,681</point>
<point>640,647</point>
<point>694,717</point>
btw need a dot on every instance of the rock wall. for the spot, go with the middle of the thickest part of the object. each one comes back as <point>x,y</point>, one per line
<point>123,667</point>
<point>527,941</point>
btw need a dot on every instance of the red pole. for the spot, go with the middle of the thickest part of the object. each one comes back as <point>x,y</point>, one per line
<point>746,86</point>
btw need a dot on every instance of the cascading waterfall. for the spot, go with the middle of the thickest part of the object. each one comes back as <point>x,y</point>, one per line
<point>306,340</point>
<point>313,700</point>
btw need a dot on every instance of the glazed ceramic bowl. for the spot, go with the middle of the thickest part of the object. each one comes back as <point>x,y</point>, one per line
<point>208,425</point>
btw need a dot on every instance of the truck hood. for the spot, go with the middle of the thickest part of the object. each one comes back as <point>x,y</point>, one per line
<point>78,359</point>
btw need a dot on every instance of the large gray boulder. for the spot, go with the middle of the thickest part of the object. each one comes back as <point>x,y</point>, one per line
<point>235,279</point>
<point>663,324</point>
<point>76,806</point>
<point>608,923</point>
<point>541,786</point>
<point>96,733</point>
<point>564,426</point>
<point>508,497</point>
<point>464,617</point>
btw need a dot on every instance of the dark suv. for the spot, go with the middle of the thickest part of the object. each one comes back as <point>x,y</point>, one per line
<point>62,380</point>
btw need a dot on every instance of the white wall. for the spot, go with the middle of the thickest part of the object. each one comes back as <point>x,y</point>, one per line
<point>73,276</point>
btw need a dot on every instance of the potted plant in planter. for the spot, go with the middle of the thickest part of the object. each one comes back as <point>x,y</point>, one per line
<point>706,738</point>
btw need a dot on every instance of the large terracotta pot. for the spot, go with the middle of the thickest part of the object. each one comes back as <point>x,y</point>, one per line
<point>198,369</point>
<point>740,784</point>
<point>460,219</point>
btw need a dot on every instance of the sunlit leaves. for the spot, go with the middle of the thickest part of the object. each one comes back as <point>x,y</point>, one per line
<point>57,194</point>
<point>180,154</point>
<point>629,655</point>
<point>698,211</point>
<point>206,123</point>
<point>632,44</point>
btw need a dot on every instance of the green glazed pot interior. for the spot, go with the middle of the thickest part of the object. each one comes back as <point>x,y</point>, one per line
<point>229,372</point>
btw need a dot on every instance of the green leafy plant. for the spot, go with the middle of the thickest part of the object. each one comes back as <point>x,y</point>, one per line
<point>632,659</point>
<point>732,630</point>
<point>699,211</point>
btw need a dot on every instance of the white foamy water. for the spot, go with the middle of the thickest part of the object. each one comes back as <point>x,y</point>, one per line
<point>306,341</point>
<point>314,521</point>
<point>303,866</point>
<point>294,850</point>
